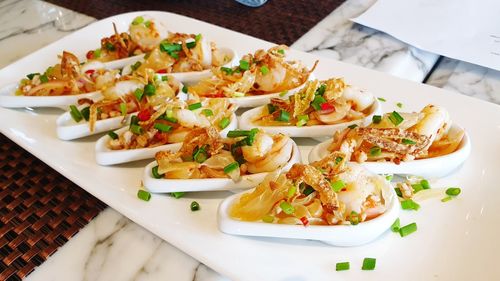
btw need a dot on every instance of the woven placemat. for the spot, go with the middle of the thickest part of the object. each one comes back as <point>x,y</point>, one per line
<point>39,208</point>
<point>278,21</point>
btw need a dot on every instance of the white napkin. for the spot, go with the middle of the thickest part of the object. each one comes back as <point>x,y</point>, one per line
<point>467,30</point>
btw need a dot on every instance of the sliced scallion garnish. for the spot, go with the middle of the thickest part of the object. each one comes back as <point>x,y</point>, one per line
<point>75,113</point>
<point>112,135</point>
<point>244,65</point>
<point>337,185</point>
<point>369,264</point>
<point>123,108</point>
<point>178,194</point>
<point>407,229</point>
<point>149,89</point>
<point>194,106</point>
<point>195,206</point>
<point>207,112</point>
<point>376,119</point>
<point>302,120</point>
<point>224,122</point>
<point>268,219</point>
<point>162,127</point>
<point>143,195</point>
<point>375,151</point>
<point>340,266</point>
<point>409,204</point>
<point>138,93</point>
<point>453,191</point>
<point>85,113</point>
<point>396,118</point>
<point>154,172</point>
<point>287,208</point>
<point>284,116</point>
<point>231,167</point>
<point>264,70</point>
<point>136,129</point>
<point>395,226</point>
<point>352,126</point>
<point>407,141</point>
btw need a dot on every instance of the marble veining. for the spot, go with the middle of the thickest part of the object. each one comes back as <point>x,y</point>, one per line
<point>338,38</point>
<point>468,79</point>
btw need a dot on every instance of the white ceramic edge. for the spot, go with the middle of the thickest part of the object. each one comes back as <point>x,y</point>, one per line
<point>337,235</point>
<point>172,185</point>
<point>105,156</point>
<point>257,100</point>
<point>428,168</point>
<point>245,123</point>
<point>10,100</point>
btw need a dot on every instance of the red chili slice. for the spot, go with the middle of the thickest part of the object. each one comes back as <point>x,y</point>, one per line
<point>161,71</point>
<point>90,55</point>
<point>327,106</point>
<point>144,115</point>
<point>304,221</point>
<point>90,72</point>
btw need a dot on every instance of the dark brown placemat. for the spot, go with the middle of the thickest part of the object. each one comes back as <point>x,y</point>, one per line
<point>279,21</point>
<point>39,210</point>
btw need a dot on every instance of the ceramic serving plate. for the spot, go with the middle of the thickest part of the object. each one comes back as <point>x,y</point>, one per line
<point>246,122</point>
<point>336,235</point>
<point>106,156</point>
<point>9,99</point>
<point>176,185</point>
<point>454,241</point>
<point>428,168</point>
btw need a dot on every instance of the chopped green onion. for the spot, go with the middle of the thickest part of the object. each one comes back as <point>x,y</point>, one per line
<point>376,119</point>
<point>44,78</point>
<point>227,70</point>
<point>407,229</point>
<point>135,66</point>
<point>264,70</point>
<point>136,129</point>
<point>352,126</point>
<point>239,133</point>
<point>170,48</point>
<point>75,113</point>
<point>207,112</point>
<point>138,93</point>
<point>369,264</point>
<point>49,71</point>
<point>409,204</point>
<point>134,120</point>
<point>382,99</point>
<point>224,122</point>
<point>398,192</point>
<point>170,119</point>
<point>338,159</point>
<point>396,118</point>
<point>389,177</point>
<point>109,46</point>
<point>282,94</point>
<point>321,90</point>
<point>195,206</point>
<point>143,195</point>
<point>337,185</point>
<point>162,127</point>
<point>154,172</point>
<point>308,190</point>
<point>268,219</point>
<point>287,208</point>
<point>395,226</point>
<point>302,120</point>
<point>453,191</point>
<point>112,135</point>
<point>446,199</point>
<point>185,89</point>
<point>149,89</point>
<point>164,78</point>
<point>284,116</point>
<point>316,103</point>
<point>197,37</point>
<point>425,184</point>
<point>31,75</point>
<point>244,65</point>
<point>123,108</point>
<point>200,155</point>
<point>138,20</point>
<point>400,105</point>
<point>271,108</point>
<point>354,218</point>
<point>281,51</point>
<point>375,151</point>
<point>342,266</point>
<point>97,53</point>
<point>191,44</point>
<point>407,141</point>
<point>147,23</point>
<point>417,187</point>
<point>231,167</point>
<point>178,194</point>
<point>194,106</point>
<point>85,113</point>
<point>291,191</point>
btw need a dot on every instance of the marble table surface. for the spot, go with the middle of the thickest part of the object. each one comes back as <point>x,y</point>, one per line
<point>111,247</point>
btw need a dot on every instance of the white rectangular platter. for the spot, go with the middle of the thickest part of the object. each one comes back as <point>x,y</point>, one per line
<point>457,240</point>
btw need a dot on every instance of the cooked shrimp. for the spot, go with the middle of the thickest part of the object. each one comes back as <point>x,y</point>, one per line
<point>360,98</point>
<point>268,157</point>
<point>145,32</point>
<point>434,124</point>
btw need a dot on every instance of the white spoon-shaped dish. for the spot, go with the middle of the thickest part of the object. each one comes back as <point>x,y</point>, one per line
<point>337,235</point>
<point>213,184</point>
<point>68,129</point>
<point>435,167</point>
<point>9,99</point>
<point>106,156</point>
<point>257,100</point>
<point>192,77</point>
<point>246,123</point>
